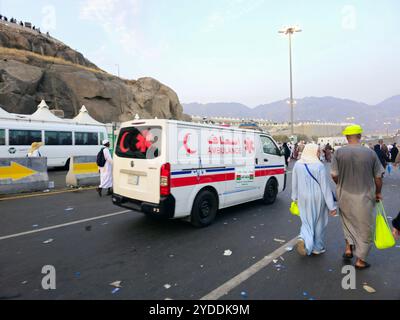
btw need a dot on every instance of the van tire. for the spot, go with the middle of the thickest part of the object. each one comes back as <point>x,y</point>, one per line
<point>270,192</point>
<point>204,210</point>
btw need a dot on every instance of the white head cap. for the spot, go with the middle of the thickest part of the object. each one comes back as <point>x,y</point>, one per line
<point>105,142</point>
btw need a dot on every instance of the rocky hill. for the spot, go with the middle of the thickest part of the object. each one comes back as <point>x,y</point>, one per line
<point>35,66</point>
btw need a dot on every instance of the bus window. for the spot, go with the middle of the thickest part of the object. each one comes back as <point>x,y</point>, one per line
<point>57,138</point>
<point>86,139</point>
<point>24,137</point>
<point>2,137</point>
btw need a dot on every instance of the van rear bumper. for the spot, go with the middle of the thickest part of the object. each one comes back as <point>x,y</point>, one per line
<point>164,209</point>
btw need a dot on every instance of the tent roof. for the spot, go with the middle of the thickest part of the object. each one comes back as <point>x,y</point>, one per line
<point>43,113</point>
<point>84,118</point>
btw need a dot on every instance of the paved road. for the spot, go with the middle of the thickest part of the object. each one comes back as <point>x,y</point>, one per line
<point>148,254</point>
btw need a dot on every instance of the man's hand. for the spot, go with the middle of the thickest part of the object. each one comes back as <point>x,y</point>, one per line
<point>378,197</point>
<point>333,213</point>
<point>396,234</point>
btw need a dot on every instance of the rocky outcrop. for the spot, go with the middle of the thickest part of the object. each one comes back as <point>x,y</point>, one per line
<point>28,75</point>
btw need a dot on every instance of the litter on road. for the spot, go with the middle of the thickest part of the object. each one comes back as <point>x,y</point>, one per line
<point>369,289</point>
<point>115,290</point>
<point>116,284</point>
<point>289,249</point>
<point>167,286</point>
<point>228,253</point>
<point>279,240</point>
<point>48,241</point>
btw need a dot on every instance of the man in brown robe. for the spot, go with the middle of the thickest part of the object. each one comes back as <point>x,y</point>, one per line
<point>357,172</point>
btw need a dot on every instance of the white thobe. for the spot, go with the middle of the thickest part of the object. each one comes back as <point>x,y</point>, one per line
<point>106,174</point>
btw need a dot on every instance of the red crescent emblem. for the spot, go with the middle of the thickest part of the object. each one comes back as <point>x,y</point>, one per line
<point>122,143</point>
<point>185,144</point>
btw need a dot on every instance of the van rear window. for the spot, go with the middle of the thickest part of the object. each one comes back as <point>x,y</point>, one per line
<point>142,142</point>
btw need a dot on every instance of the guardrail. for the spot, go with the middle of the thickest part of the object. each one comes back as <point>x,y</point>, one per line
<point>19,175</point>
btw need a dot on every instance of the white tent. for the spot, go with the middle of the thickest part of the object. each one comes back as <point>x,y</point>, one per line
<point>43,113</point>
<point>84,118</point>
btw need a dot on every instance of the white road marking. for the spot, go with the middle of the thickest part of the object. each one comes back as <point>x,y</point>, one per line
<point>246,274</point>
<point>64,225</point>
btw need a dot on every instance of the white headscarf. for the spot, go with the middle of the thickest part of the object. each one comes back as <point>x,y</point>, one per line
<point>309,154</point>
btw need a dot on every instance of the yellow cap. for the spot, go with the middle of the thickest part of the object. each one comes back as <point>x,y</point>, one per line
<point>353,130</point>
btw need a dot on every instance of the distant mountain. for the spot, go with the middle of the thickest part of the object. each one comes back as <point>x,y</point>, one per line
<point>329,109</point>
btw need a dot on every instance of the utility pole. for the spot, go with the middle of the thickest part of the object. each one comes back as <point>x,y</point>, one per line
<point>289,31</point>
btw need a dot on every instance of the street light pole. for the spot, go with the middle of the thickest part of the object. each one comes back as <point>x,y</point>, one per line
<point>290,31</point>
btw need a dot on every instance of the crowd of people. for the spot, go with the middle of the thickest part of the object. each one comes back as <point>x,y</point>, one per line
<point>357,170</point>
<point>387,154</point>
<point>22,24</point>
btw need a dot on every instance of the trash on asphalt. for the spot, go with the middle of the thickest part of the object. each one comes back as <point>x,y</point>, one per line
<point>104,224</point>
<point>289,249</point>
<point>35,226</point>
<point>275,261</point>
<point>244,294</point>
<point>282,258</point>
<point>252,237</point>
<point>279,240</point>
<point>228,253</point>
<point>24,282</point>
<point>202,266</point>
<point>115,290</point>
<point>171,256</point>
<point>88,228</point>
<point>167,286</point>
<point>46,191</point>
<point>369,289</point>
<point>69,209</point>
<point>48,241</point>
<point>116,284</point>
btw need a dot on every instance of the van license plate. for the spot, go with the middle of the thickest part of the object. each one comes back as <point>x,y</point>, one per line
<point>133,180</point>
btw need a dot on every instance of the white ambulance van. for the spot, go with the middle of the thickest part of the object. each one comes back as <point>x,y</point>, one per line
<point>176,169</point>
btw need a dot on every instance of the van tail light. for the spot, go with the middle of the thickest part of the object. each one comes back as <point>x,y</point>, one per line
<point>165,181</point>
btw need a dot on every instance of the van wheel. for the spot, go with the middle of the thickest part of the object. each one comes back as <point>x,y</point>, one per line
<point>271,192</point>
<point>204,210</point>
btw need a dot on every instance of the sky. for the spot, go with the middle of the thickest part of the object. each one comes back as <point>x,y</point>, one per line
<point>230,50</point>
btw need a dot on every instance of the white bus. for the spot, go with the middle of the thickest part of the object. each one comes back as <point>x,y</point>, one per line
<point>61,138</point>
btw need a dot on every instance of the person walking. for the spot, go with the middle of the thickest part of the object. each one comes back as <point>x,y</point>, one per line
<point>396,227</point>
<point>311,190</point>
<point>381,156</point>
<point>328,153</point>
<point>34,151</point>
<point>287,153</point>
<point>394,152</point>
<point>105,163</point>
<point>357,173</point>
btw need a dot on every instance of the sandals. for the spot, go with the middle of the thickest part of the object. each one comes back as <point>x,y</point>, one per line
<point>301,247</point>
<point>348,256</point>
<point>366,266</point>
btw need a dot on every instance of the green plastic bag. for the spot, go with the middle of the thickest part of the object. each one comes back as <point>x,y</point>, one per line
<point>383,234</point>
<point>294,209</point>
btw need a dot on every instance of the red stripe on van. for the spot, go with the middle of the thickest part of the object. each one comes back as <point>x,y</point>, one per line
<point>194,180</point>
<point>269,172</point>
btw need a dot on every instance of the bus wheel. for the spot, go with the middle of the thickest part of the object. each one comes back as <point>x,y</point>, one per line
<point>271,192</point>
<point>204,210</point>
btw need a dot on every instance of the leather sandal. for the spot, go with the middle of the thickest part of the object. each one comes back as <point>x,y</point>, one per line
<point>366,266</point>
<point>348,256</point>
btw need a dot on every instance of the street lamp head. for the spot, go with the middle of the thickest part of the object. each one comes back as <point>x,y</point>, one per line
<point>290,30</point>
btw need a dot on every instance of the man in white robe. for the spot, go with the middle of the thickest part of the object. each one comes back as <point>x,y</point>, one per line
<point>106,172</point>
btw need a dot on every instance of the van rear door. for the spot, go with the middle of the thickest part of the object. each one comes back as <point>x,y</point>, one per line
<point>138,162</point>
